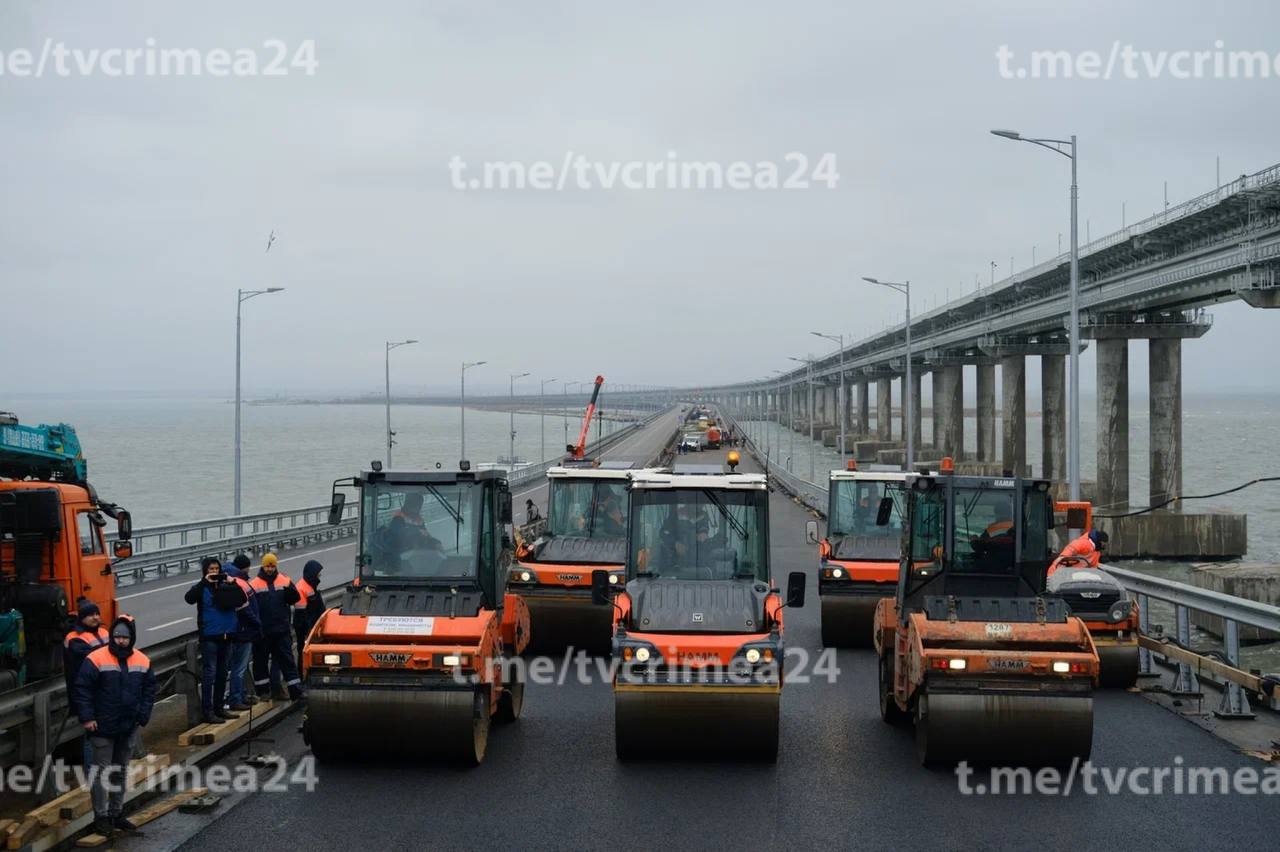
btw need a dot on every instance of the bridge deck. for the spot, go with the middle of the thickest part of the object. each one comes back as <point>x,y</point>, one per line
<point>843,777</point>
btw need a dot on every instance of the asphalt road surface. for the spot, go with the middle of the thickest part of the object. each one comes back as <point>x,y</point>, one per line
<point>843,779</point>
<point>163,614</point>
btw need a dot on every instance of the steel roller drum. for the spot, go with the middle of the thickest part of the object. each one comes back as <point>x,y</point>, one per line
<point>556,625</point>
<point>1003,729</point>
<point>679,722</point>
<point>848,621</point>
<point>349,724</point>
<point>1119,665</point>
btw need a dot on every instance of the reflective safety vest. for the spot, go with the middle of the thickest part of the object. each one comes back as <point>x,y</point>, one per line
<point>305,591</point>
<point>93,640</point>
<point>1084,547</point>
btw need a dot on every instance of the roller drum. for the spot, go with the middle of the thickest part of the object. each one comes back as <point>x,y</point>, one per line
<point>1001,729</point>
<point>686,722</point>
<point>557,625</point>
<point>1118,664</point>
<point>848,621</point>
<point>352,724</point>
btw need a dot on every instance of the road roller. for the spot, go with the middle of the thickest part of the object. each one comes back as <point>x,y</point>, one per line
<point>697,630</point>
<point>858,559</point>
<point>989,667</point>
<point>415,662</point>
<point>585,530</point>
<point>1101,601</point>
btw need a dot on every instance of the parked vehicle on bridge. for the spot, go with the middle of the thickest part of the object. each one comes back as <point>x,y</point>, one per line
<point>413,661</point>
<point>713,437</point>
<point>585,530</point>
<point>52,548</point>
<point>858,559</point>
<point>971,649</point>
<point>698,631</point>
<point>691,443</point>
<point>1101,601</point>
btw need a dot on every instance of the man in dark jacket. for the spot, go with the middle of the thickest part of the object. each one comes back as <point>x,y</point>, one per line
<point>248,631</point>
<point>310,604</point>
<point>114,692</point>
<point>86,636</point>
<point>217,600</point>
<point>276,596</point>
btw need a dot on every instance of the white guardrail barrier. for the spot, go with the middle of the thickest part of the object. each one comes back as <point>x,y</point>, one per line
<point>1234,611</point>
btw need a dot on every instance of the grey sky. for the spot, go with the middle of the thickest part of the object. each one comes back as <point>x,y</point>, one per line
<point>133,208</point>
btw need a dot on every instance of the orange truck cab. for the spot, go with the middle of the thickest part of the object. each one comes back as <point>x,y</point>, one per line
<point>52,547</point>
<point>415,659</point>
<point>857,559</point>
<point>698,628</point>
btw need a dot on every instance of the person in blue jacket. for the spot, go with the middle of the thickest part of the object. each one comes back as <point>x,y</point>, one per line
<point>217,599</point>
<point>114,692</point>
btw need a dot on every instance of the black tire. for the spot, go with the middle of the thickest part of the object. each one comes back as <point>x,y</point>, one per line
<point>511,702</point>
<point>890,712</point>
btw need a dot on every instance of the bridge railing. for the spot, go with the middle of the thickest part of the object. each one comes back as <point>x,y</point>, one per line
<point>1233,611</point>
<point>169,549</point>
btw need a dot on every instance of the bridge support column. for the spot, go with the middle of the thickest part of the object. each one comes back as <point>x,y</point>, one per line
<point>935,379</point>
<point>950,408</point>
<point>1113,425</point>
<point>1053,416</point>
<point>884,409</point>
<point>1013,412</point>
<point>914,425</point>
<point>986,382</point>
<point>864,410</point>
<point>1165,390</point>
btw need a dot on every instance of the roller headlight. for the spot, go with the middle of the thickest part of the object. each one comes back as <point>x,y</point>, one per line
<point>642,655</point>
<point>525,576</point>
<point>1061,667</point>
<point>614,579</point>
<point>957,664</point>
<point>1121,609</point>
<point>332,660</point>
<point>837,573</point>
<point>753,655</point>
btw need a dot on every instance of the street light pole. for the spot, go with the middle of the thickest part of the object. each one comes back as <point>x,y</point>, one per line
<point>512,394</point>
<point>242,296</point>
<point>391,435</point>
<point>462,404</point>
<point>909,392</point>
<point>809,363</point>
<point>1068,149</point>
<point>839,341</point>
<point>542,406</point>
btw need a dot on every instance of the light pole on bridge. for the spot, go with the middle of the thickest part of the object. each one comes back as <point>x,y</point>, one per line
<point>809,363</point>
<point>512,394</point>
<point>462,403</point>
<point>908,393</point>
<point>542,392</point>
<point>391,435</point>
<point>243,296</point>
<point>839,341</point>
<point>1067,148</point>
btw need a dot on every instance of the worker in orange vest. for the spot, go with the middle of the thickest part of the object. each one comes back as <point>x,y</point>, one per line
<point>86,636</point>
<point>310,604</point>
<point>1088,547</point>
<point>276,594</point>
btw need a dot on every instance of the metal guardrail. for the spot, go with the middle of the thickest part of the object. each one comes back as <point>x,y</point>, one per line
<point>158,538</point>
<point>1234,611</point>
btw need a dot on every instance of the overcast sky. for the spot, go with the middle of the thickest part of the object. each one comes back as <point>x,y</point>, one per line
<point>132,208</point>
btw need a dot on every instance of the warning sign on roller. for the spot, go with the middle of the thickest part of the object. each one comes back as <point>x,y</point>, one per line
<point>392,624</point>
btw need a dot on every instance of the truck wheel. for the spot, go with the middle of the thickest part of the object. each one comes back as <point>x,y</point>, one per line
<point>890,712</point>
<point>511,701</point>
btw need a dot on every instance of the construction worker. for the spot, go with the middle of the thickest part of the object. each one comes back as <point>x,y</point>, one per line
<point>1087,547</point>
<point>276,594</point>
<point>248,631</point>
<point>611,521</point>
<point>310,604</point>
<point>86,636</point>
<point>531,512</point>
<point>113,696</point>
<point>218,601</point>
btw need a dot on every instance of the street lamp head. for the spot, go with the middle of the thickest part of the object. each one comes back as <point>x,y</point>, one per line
<point>274,289</point>
<point>1007,134</point>
<point>871,280</point>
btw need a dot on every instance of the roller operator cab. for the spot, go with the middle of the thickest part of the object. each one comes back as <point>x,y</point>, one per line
<point>412,662</point>
<point>53,547</point>
<point>698,629</point>
<point>1101,601</point>
<point>585,530</point>
<point>988,666</point>
<point>858,558</point>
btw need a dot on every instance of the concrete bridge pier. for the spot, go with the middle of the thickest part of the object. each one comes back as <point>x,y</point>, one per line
<point>864,410</point>
<point>1113,425</point>
<point>1053,414</point>
<point>1165,390</point>
<point>935,380</point>
<point>949,408</point>
<point>1013,412</point>
<point>917,415</point>
<point>986,413</point>
<point>884,409</point>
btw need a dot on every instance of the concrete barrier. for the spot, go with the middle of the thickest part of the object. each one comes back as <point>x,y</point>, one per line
<point>1168,535</point>
<point>1255,581</point>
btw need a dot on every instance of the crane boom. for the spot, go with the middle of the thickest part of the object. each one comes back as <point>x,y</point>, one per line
<point>578,450</point>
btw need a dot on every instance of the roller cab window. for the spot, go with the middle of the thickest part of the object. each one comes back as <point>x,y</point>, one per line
<point>587,508</point>
<point>421,531</point>
<point>699,534</point>
<point>854,505</point>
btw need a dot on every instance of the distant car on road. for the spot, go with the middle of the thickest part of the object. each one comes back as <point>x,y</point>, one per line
<point>691,444</point>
